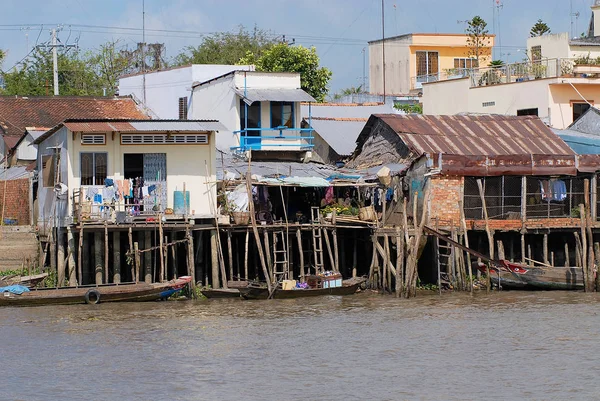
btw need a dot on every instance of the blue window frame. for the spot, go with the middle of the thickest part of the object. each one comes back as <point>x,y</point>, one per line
<point>282,114</point>
<point>253,115</point>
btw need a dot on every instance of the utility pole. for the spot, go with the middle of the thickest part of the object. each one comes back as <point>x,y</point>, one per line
<point>54,47</point>
<point>364,77</point>
<point>383,44</point>
<point>143,55</point>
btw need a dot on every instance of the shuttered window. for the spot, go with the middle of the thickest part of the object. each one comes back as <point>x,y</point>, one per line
<point>136,139</point>
<point>183,108</point>
<point>93,139</point>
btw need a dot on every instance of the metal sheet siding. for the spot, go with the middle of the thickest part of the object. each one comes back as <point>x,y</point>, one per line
<point>176,125</point>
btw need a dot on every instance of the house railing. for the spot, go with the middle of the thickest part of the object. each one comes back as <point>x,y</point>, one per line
<point>279,138</point>
<point>508,73</point>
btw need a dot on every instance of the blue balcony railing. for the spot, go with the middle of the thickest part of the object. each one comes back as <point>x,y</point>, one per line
<point>277,138</point>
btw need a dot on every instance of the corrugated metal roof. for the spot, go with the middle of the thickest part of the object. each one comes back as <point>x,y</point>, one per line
<point>470,135</point>
<point>350,110</point>
<point>588,122</point>
<point>178,125</point>
<point>341,135</point>
<point>581,143</point>
<point>97,126</point>
<point>14,173</point>
<point>252,95</point>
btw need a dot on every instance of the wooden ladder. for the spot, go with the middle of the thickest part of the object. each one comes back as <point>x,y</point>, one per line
<point>444,256</point>
<point>315,214</point>
<point>280,259</point>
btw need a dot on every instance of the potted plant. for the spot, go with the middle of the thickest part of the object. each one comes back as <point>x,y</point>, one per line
<point>586,65</point>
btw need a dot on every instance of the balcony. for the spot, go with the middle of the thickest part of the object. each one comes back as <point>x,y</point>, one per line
<point>274,139</point>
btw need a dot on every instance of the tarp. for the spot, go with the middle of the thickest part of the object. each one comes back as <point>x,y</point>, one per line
<point>14,289</point>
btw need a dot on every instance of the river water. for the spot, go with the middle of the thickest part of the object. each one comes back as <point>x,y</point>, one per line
<point>501,346</point>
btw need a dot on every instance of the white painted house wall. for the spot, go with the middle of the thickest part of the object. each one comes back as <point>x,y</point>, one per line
<point>218,100</point>
<point>164,88</point>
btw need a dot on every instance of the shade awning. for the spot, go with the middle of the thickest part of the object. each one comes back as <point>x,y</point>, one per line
<point>273,95</point>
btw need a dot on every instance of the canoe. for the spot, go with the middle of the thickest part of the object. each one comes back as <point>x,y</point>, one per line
<point>92,294</point>
<point>519,276</point>
<point>348,287</point>
<point>221,293</point>
<point>26,281</point>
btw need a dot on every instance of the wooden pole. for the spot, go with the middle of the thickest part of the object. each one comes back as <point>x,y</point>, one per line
<point>60,265</point>
<point>256,234</point>
<point>246,255</point>
<point>106,252</point>
<point>463,223</point>
<point>87,261</point>
<point>230,254</point>
<point>399,262</point>
<point>578,259</point>
<point>134,265</point>
<point>567,256</point>
<point>80,254</point>
<point>137,261</point>
<point>336,252</point>
<point>161,251</point>
<point>583,244</point>
<point>71,261</point>
<point>487,229</point>
<point>214,258</point>
<point>328,245</point>
<point>268,253</point>
<point>98,256</point>
<point>501,254</point>
<point>545,248</point>
<point>597,255</point>
<point>300,253</point>
<point>190,259</point>
<point>523,248</point>
<point>147,257</point>
<point>411,265</point>
<point>116,257</point>
<point>386,269</point>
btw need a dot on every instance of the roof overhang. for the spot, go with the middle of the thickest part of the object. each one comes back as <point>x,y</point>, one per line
<point>274,95</point>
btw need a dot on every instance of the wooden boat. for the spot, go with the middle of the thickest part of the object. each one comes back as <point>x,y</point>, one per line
<point>348,287</point>
<point>518,276</point>
<point>26,281</point>
<point>221,292</point>
<point>92,294</point>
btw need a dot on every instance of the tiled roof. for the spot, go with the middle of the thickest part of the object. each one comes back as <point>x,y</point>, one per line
<point>17,113</point>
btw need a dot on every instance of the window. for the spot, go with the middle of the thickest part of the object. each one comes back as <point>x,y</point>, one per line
<point>427,63</point>
<point>527,112</point>
<point>183,108</point>
<point>488,104</point>
<point>282,114</point>
<point>93,168</point>
<point>466,63</point>
<point>93,139</point>
<point>536,54</point>
<point>48,170</point>
<point>253,115</point>
<point>579,109</point>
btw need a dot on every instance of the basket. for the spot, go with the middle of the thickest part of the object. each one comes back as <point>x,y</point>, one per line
<point>366,213</point>
<point>242,218</point>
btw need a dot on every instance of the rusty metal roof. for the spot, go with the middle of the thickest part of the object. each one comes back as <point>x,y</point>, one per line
<point>470,135</point>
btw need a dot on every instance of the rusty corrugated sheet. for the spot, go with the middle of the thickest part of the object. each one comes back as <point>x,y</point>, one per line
<point>588,163</point>
<point>490,135</point>
<point>506,165</point>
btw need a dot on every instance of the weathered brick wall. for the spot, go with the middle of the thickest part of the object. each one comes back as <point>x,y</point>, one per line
<point>445,194</point>
<point>17,200</point>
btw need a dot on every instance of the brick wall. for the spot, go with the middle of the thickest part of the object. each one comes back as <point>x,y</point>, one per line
<point>445,194</point>
<point>17,200</point>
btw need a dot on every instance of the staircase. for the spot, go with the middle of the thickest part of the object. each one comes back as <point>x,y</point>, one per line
<point>17,243</point>
<point>280,261</point>
<point>315,214</point>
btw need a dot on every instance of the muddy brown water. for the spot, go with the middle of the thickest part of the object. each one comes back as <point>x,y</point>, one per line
<point>502,346</point>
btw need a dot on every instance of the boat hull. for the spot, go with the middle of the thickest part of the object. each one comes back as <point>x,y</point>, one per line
<point>221,293</point>
<point>263,293</point>
<point>128,292</point>
<point>524,277</point>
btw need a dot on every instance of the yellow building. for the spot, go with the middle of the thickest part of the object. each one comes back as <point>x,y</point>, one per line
<point>416,58</point>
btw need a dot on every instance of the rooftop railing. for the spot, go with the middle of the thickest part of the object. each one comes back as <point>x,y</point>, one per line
<point>513,72</point>
<point>278,138</point>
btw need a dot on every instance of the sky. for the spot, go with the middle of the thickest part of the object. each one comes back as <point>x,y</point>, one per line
<point>339,29</point>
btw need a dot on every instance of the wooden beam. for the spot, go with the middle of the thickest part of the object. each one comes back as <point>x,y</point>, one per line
<point>116,257</point>
<point>98,256</point>
<point>71,260</point>
<point>214,259</point>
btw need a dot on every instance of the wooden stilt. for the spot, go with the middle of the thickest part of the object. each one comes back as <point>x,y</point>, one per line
<point>578,259</point>
<point>552,258</point>
<point>147,257</point>
<point>199,265</point>
<point>190,260</point>
<point>386,264</point>
<point>399,262</point>
<point>328,246</point>
<point>52,243</point>
<point>86,259</point>
<point>137,262</point>
<point>336,253</point>
<point>501,254</point>
<point>116,257</point>
<point>134,265</point>
<point>268,253</point>
<point>161,249</point>
<point>545,248</point>
<point>489,233</point>
<point>60,255</point>
<point>300,253</point>
<point>523,248</point>
<point>230,254</point>
<point>255,230</point>
<point>246,255</point>
<point>80,255</point>
<point>567,256</point>
<point>355,254</point>
<point>71,262</point>
<point>214,258</point>
<point>173,257</point>
<point>166,256</point>
<point>467,260</point>
<point>529,255</point>
<point>106,252</point>
<point>98,256</point>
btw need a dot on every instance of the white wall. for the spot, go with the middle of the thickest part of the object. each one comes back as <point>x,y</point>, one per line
<point>446,97</point>
<point>265,80</point>
<point>26,150</point>
<point>164,88</point>
<point>397,61</point>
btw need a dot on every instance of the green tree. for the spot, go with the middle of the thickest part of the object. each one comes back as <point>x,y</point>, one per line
<point>478,37</point>
<point>539,28</point>
<point>416,108</point>
<point>348,92</point>
<point>227,47</point>
<point>496,63</point>
<point>284,58</point>
<point>108,63</point>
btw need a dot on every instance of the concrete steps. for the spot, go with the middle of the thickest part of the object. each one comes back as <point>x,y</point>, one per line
<point>17,243</point>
